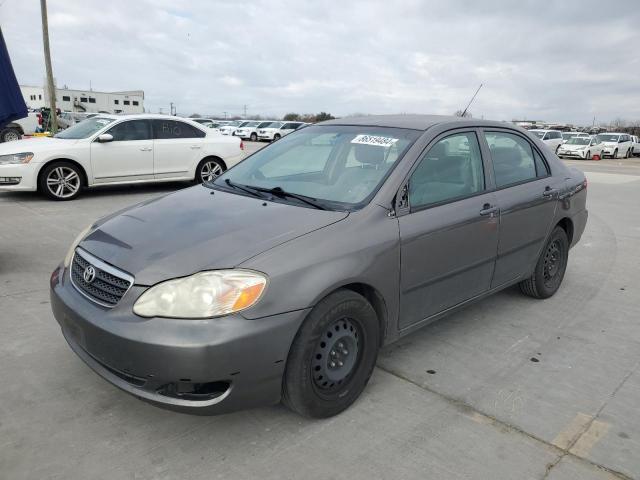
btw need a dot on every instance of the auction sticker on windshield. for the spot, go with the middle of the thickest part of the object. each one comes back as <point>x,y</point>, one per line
<point>374,140</point>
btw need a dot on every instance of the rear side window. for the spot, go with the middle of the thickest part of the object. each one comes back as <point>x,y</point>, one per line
<point>172,129</point>
<point>131,130</point>
<point>514,159</point>
<point>451,169</point>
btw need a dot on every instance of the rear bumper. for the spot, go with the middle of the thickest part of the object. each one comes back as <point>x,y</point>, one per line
<point>202,367</point>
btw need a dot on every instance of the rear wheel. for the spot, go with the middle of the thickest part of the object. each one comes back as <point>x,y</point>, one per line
<point>208,170</point>
<point>9,135</point>
<point>332,356</point>
<point>61,181</point>
<point>551,266</point>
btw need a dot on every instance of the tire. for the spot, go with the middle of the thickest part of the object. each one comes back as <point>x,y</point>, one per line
<point>588,155</point>
<point>276,137</point>
<point>615,153</point>
<point>208,169</point>
<point>332,356</point>
<point>628,154</point>
<point>253,137</point>
<point>61,181</point>
<point>551,267</point>
<point>10,135</point>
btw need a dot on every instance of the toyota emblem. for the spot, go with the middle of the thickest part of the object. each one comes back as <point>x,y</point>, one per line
<point>89,274</point>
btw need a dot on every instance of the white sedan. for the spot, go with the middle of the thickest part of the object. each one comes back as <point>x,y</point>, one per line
<point>110,149</point>
<point>581,147</point>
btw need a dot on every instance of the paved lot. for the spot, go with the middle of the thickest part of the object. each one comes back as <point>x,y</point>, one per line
<point>490,411</point>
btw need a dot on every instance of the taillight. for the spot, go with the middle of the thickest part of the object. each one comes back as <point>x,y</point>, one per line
<point>39,119</point>
<point>241,145</point>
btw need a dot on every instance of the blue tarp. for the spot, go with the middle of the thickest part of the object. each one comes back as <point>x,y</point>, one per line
<point>12,106</point>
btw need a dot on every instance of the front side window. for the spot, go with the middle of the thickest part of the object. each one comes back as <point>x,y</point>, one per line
<point>172,129</point>
<point>451,169</point>
<point>513,159</point>
<point>340,166</point>
<point>131,130</point>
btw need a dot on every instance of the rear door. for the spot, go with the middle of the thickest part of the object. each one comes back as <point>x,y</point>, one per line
<point>527,195</point>
<point>449,233</point>
<point>178,148</point>
<point>129,156</point>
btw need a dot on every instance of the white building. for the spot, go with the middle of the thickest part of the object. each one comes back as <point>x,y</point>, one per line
<point>88,101</point>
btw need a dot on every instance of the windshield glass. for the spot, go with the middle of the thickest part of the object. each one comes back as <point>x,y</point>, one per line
<point>567,136</point>
<point>607,138</point>
<point>578,141</point>
<point>539,134</point>
<point>340,166</point>
<point>274,125</point>
<point>85,128</point>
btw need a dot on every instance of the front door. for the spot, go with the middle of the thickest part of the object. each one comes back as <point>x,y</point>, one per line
<point>178,147</point>
<point>527,197</point>
<point>129,156</point>
<point>449,237</point>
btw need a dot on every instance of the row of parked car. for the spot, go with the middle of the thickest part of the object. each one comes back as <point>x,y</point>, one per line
<point>585,146</point>
<point>254,130</point>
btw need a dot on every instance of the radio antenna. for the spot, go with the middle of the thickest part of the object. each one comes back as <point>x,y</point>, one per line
<point>464,112</point>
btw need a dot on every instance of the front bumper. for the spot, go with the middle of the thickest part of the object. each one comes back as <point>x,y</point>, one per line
<point>203,367</point>
<point>572,153</point>
<point>19,177</point>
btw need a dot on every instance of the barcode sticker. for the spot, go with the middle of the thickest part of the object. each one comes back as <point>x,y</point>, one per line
<point>374,140</point>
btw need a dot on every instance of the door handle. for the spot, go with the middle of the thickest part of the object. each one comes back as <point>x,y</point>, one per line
<point>195,147</point>
<point>145,149</point>
<point>549,192</point>
<point>488,209</point>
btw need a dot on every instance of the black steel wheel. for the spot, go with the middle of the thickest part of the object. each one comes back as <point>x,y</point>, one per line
<point>332,356</point>
<point>551,267</point>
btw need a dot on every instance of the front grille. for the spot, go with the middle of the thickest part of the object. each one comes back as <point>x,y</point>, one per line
<point>109,284</point>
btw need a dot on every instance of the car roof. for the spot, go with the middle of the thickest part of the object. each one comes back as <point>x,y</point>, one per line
<point>414,122</point>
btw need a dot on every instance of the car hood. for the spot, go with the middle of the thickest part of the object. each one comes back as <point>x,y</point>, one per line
<point>197,229</point>
<point>574,147</point>
<point>610,144</point>
<point>35,145</point>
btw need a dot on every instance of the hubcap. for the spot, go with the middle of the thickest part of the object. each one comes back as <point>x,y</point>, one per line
<point>210,170</point>
<point>552,262</point>
<point>335,355</point>
<point>63,182</point>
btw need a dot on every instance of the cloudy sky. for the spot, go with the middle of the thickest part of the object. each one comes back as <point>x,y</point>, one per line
<point>552,60</point>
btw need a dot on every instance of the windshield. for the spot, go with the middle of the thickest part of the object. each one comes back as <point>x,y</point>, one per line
<point>340,166</point>
<point>85,128</point>
<point>539,134</point>
<point>607,138</point>
<point>264,124</point>
<point>578,141</point>
<point>274,125</point>
<point>567,136</point>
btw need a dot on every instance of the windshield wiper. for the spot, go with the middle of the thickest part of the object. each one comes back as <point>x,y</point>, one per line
<point>245,188</point>
<point>279,192</point>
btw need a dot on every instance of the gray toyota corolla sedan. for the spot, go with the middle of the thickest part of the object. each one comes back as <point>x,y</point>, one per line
<point>282,278</point>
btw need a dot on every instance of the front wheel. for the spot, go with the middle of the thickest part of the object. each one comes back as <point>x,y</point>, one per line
<point>61,181</point>
<point>276,137</point>
<point>208,170</point>
<point>10,135</point>
<point>615,153</point>
<point>588,155</point>
<point>332,356</point>
<point>254,137</point>
<point>551,266</point>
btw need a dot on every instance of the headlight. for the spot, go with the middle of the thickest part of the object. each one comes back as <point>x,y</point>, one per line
<point>72,249</point>
<point>202,295</point>
<point>13,158</point>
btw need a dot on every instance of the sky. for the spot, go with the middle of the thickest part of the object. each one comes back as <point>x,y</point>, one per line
<point>558,61</point>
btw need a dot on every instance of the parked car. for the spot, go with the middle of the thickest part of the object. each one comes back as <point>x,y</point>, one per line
<point>581,147</point>
<point>230,127</point>
<point>283,277</point>
<point>553,138</point>
<point>567,135</point>
<point>109,149</point>
<point>635,145</point>
<point>67,119</point>
<point>249,131</point>
<point>277,130</point>
<point>24,126</point>
<point>206,122</point>
<point>616,145</point>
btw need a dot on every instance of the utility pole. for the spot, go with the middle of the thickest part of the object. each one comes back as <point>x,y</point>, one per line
<point>245,111</point>
<point>225,115</point>
<point>53,117</point>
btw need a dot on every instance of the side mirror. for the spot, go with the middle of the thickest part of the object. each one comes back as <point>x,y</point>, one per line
<point>105,137</point>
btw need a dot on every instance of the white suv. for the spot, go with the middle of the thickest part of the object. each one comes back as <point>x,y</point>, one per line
<point>553,138</point>
<point>277,130</point>
<point>250,130</point>
<point>635,148</point>
<point>616,145</point>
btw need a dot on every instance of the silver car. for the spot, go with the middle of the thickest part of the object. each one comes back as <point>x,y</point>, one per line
<point>282,278</point>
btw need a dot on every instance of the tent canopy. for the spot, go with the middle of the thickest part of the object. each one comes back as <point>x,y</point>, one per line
<point>12,106</point>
